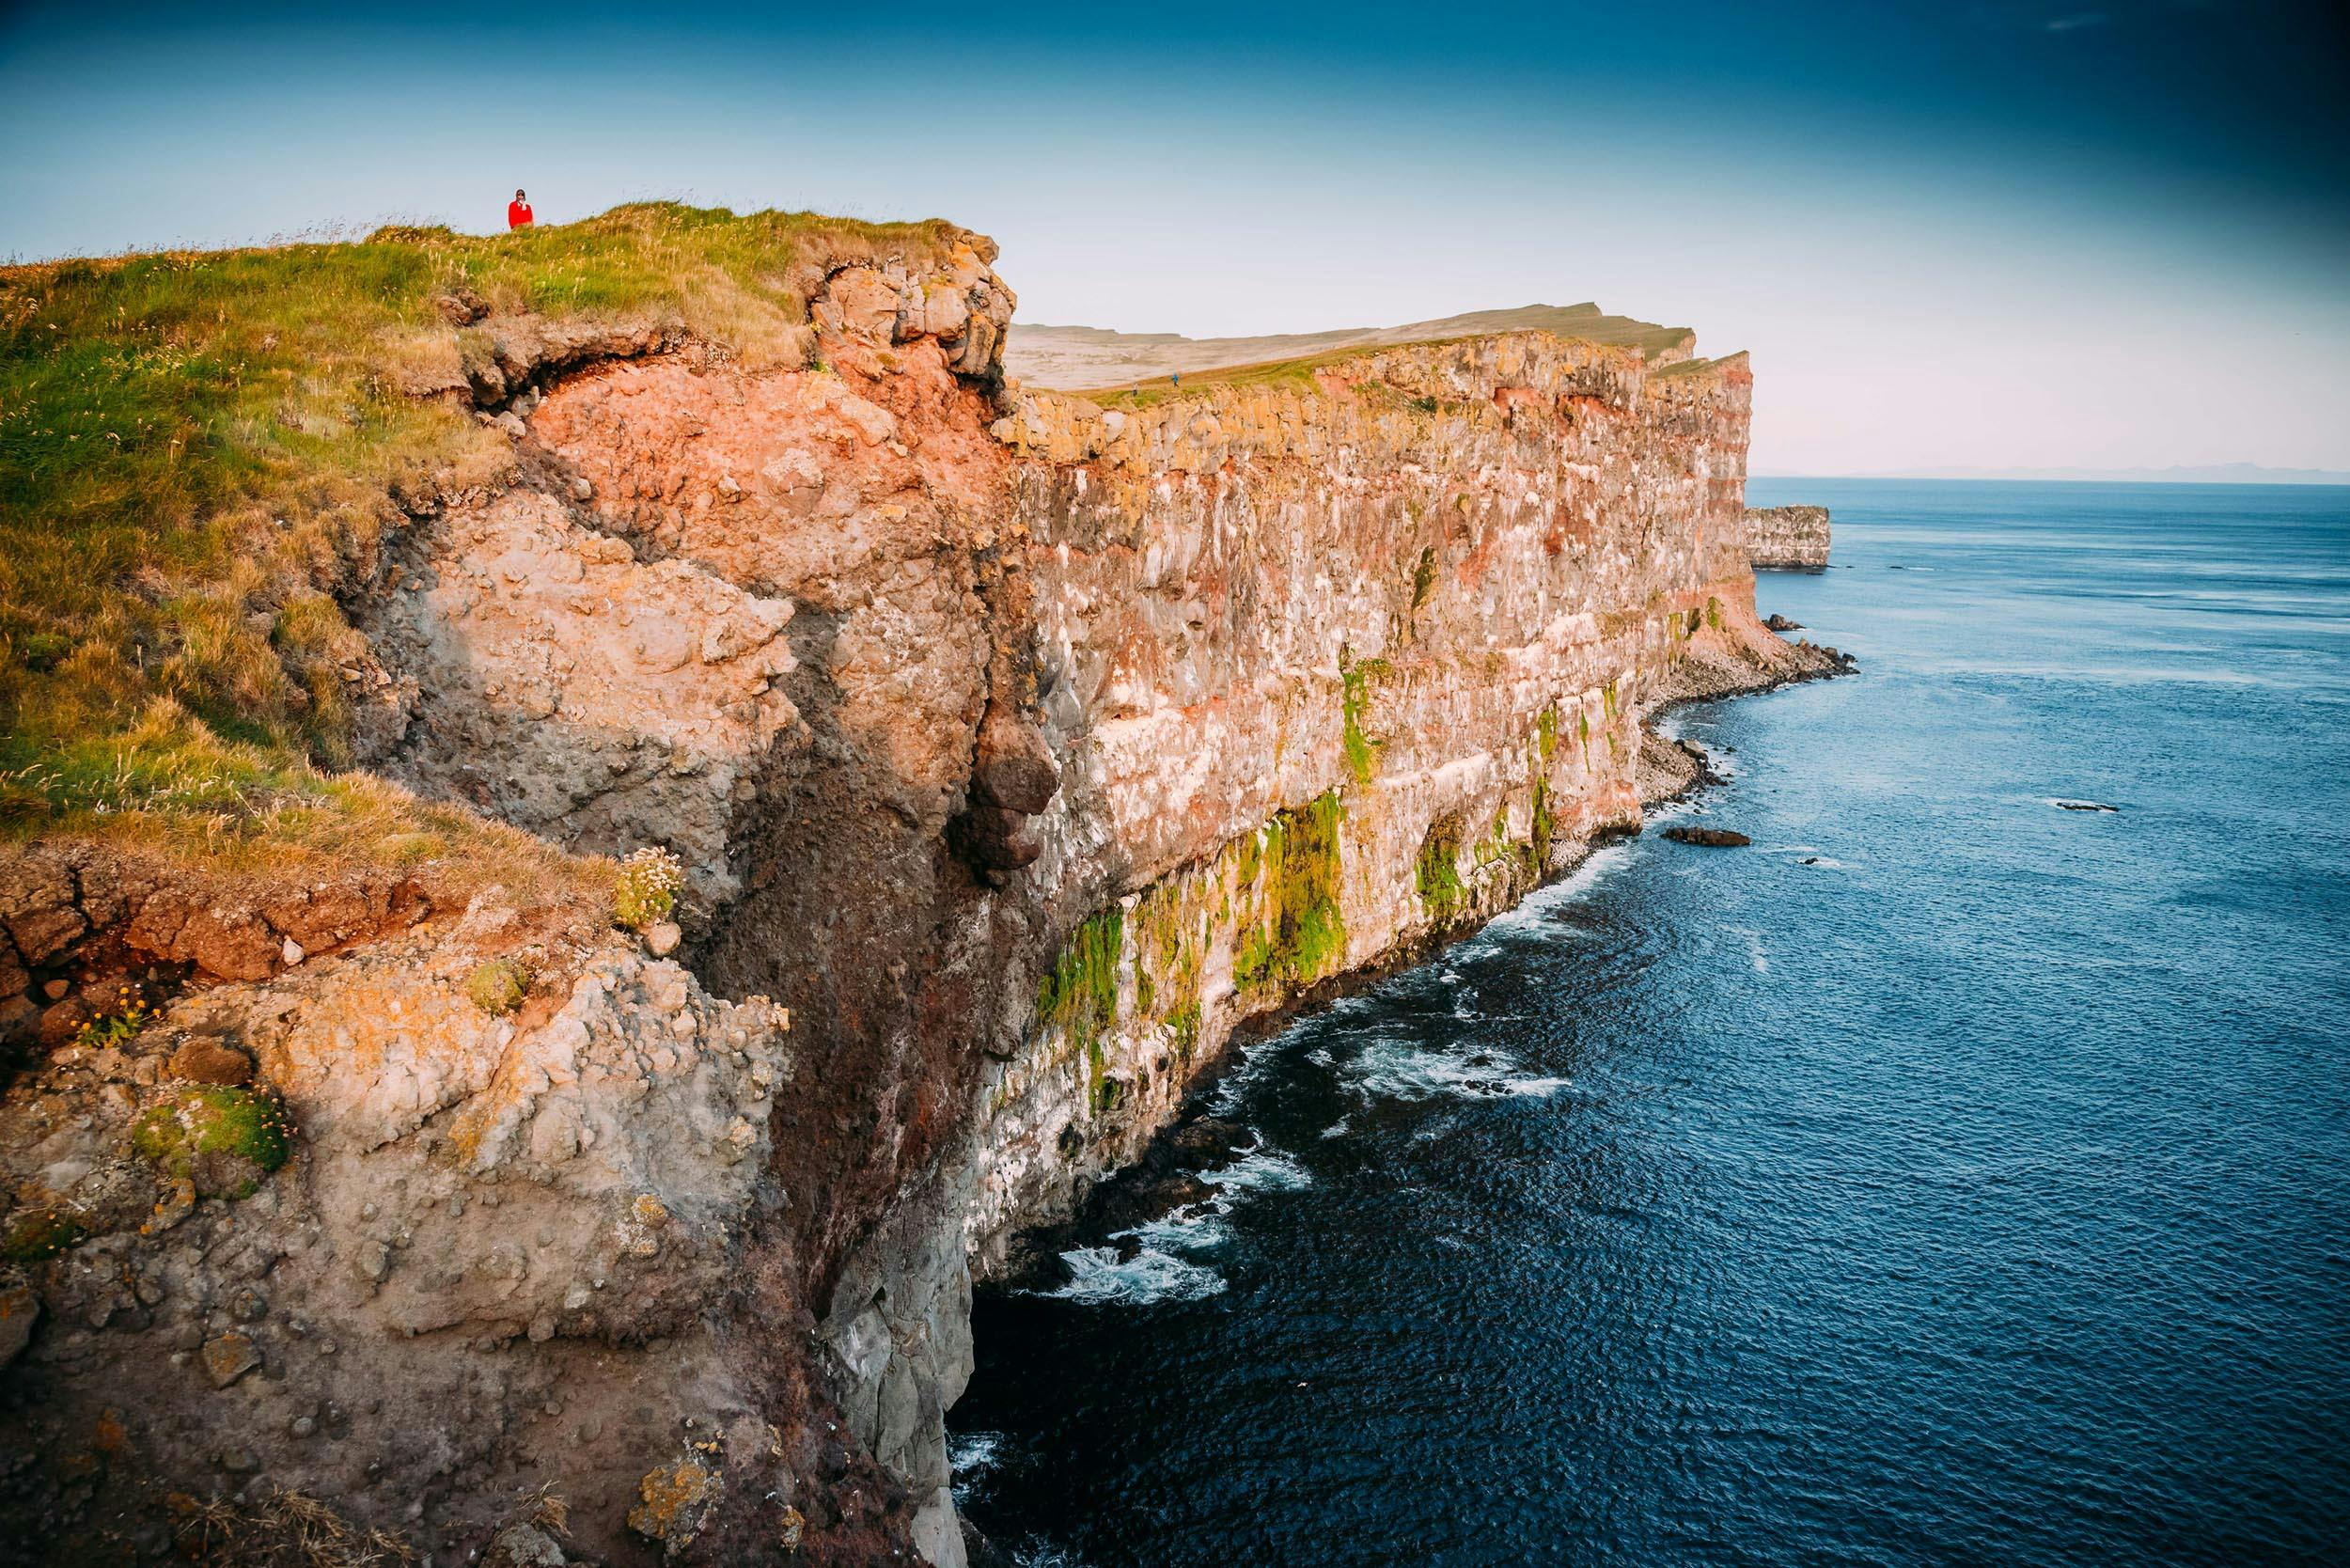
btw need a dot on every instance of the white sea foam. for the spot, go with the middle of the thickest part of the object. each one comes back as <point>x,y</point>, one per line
<point>1260,1169</point>
<point>1393,1070</point>
<point>1537,905</point>
<point>1048,1556</point>
<point>1193,1228</point>
<point>972,1454</point>
<point>1098,1277</point>
<point>1159,1271</point>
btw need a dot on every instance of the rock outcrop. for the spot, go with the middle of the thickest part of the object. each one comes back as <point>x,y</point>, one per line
<point>1022,748</point>
<point>1788,538</point>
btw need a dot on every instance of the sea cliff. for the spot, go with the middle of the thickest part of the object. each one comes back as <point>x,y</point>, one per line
<point>1788,538</point>
<point>385,1164</point>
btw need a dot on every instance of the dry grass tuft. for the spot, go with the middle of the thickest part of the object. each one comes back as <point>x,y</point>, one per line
<point>287,1530</point>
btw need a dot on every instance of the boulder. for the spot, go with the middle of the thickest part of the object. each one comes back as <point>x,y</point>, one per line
<point>1711,837</point>
<point>210,1061</point>
<point>1014,767</point>
<point>229,1356</point>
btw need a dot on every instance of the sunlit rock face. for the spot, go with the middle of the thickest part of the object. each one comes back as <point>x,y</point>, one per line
<point>1788,538</point>
<point>1334,665</point>
<point>1021,748</point>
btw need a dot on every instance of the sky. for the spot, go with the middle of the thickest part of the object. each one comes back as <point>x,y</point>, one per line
<point>1991,233</point>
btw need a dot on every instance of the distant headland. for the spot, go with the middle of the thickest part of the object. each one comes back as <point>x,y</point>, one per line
<point>2209,473</point>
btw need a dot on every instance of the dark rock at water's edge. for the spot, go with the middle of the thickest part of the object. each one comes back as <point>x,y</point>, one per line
<point>1167,1177</point>
<point>1713,837</point>
<point>1843,662</point>
<point>1782,624</point>
<point>1201,1144</point>
<point>980,1552</point>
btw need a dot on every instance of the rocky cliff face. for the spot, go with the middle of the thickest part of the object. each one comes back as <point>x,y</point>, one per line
<point>1788,538</point>
<point>1021,750</point>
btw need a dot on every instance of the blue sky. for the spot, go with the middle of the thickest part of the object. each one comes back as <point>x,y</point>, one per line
<point>1996,233</point>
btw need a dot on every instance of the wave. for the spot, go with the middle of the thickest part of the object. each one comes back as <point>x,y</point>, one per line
<point>1802,854</point>
<point>972,1454</point>
<point>1391,1070</point>
<point>1046,1557</point>
<point>1158,1270</point>
<point>1098,1277</point>
<point>1262,1169</point>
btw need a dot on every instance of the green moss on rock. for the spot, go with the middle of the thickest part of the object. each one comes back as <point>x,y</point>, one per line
<point>1078,996</point>
<point>1437,871</point>
<point>1301,934</point>
<point>40,1232</point>
<point>497,987</point>
<point>1362,752</point>
<point>1423,577</point>
<point>224,1139</point>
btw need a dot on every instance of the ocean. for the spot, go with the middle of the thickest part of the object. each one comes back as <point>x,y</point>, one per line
<point>1957,1175</point>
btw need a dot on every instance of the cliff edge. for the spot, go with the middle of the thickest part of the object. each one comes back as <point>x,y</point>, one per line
<point>600,821</point>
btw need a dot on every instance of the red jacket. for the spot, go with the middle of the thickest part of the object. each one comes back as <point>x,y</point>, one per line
<point>518,215</point>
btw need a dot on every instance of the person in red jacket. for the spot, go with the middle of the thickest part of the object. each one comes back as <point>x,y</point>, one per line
<point>518,212</point>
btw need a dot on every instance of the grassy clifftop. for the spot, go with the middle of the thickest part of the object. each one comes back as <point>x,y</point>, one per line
<point>1098,363</point>
<point>196,448</point>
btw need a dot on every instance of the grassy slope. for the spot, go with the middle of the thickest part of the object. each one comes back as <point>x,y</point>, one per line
<point>1297,375</point>
<point>1091,360</point>
<point>196,448</point>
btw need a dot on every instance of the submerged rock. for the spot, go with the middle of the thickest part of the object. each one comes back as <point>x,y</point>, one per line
<point>1711,837</point>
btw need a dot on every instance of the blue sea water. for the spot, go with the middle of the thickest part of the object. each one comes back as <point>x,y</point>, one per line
<point>1948,1178</point>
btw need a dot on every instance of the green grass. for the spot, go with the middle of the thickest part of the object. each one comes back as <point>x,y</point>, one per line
<point>198,451</point>
<point>1584,323</point>
<point>170,784</point>
<point>1689,368</point>
<point>1281,375</point>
